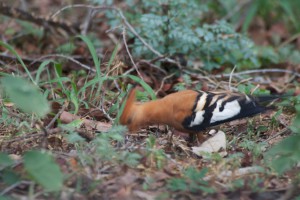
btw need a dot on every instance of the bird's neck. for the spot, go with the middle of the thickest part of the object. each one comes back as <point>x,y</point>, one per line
<point>154,112</point>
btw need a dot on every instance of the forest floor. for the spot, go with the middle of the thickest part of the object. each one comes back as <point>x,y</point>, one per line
<point>143,165</point>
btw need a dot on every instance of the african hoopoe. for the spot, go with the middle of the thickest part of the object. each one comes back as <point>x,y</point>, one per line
<point>191,111</point>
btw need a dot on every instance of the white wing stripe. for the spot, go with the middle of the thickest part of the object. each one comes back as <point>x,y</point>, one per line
<point>230,110</point>
<point>201,102</point>
<point>198,119</point>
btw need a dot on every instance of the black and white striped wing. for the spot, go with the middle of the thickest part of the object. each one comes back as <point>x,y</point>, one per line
<point>215,108</point>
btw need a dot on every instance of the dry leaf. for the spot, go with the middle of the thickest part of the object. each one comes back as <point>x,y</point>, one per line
<point>213,144</point>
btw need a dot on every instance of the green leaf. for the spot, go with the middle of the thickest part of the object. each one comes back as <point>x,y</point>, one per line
<point>5,160</point>
<point>130,159</point>
<point>282,164</point>
<point>44,170</point>
<point>72,125</point>
<point>5,198</point>
<point>177,184</point>
<point>252,10</point>
<point>66,48</point>
<point>41,69</point>
<point>73,137</point>
<point>11,49</point>
<point>144,85</point>
<point>75,101</point>
<point>150,142</point>
<point>194,174</point>
<point>25,95</point>
<point>93,53</point>
<point>9,176</point>
<point>285,154</point>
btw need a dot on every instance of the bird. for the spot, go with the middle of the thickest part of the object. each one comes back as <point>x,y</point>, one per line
<point>192,111</point>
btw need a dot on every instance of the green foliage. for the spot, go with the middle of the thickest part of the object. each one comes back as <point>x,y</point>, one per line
<point>43,169</point>
<point>156,156</point>
<point>7,174</point>
<point>269,55</point>
<point>105,150</point>
<point>253,182</point>
<point>248,89</point>
<point>72,136</point>
<point>11,49</point>
<point>129,158</point>
<point>144,85</point>
<point>254,147</point>
<point>5,160</point>
<point>215,44</point>
<point>192,181</point>
<point>270,10</point>
<point>183,85</point>
<point>26,96</point>
<point>173,27</point>
<point>66,48</point>
<point>285,155</point>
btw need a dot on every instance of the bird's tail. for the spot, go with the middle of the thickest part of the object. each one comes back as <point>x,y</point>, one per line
<point>127,112</point>
<point>268,98</point>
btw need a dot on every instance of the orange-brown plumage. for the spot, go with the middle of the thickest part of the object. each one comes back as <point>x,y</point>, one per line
<point>170,110</point>
<point>190,111</point>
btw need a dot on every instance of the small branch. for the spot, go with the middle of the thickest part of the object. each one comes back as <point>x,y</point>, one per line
<point>275,70</point>
<point>13,186</point>
<point>254,89</point>
<point>125,22</point>
<point>66,57</point>
<point>230,78</point>
<point>290,192</point>
<point>23,15</point>
<point>38,134</point>
<point>15,59</point>
<point>163,81</point>
<point>289,40</point>
<point>283,131</point>
<point>129,54</point>
<point>57,116</point>
<point>149,63</point>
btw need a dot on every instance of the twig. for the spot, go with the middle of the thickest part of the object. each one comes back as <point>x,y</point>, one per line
<point>126,23</point>
<point>253,90</point>
<point>275,70</point>
<point>163,81</point>
<point>101,107</point>
<point>230,78</point>
<point>13,58</point>
<point>23,15</point>
<point>11,187</point>
<point>289,193</point>
<point>288,40</point>
<point>129,71</point>
<point>66,57</point>
<point>277,134</point>
<point>129,54</point>
<point>206,77</point>
<point>56,116</point>
<point>86,24</point>
<point>38,134</point>
<point>149,63</point>
<point>81,6</point>
<point>236,173</point>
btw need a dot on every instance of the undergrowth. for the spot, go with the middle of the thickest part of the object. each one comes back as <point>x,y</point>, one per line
<point>175,29</point>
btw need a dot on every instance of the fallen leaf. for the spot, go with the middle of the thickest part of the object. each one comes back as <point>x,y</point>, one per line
<point>213,144</point>
<point>67,117</point>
